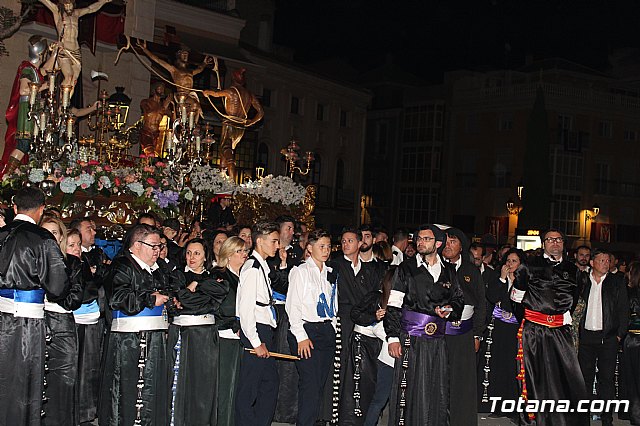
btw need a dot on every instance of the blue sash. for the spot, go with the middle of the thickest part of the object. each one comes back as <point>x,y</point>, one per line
<point>24,296</point>
<point>146,312</point>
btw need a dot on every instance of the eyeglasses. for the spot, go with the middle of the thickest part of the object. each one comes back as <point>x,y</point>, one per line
<point>243,251</point>
<point>425,239</point>
<point>554,239</point>
<point>158,247</point>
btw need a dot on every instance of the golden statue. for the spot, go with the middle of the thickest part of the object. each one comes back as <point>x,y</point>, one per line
<point>154,110</point>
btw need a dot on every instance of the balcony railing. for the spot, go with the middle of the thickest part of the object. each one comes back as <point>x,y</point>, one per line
<point>213,5</point>
<point>616,189</point>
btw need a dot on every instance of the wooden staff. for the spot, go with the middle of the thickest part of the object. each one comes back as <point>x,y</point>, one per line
<point>276,355</point>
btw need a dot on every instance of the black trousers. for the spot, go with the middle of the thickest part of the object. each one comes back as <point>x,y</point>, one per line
<point>257,392</point>
<point>596,350</point>
<point>313,372</point>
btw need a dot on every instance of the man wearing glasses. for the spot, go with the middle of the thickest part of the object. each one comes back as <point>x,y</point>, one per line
<point>547,290</point>
<point>135,381</point>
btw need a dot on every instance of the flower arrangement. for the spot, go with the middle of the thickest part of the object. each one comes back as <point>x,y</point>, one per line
<point>210,180</point>
<point>279,189</point>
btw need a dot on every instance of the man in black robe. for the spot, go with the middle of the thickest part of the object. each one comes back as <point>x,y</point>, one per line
<point>463,337</point>
<point>90,321</point>
<point>31,265</point>
<point>425,295</point>
<point>135,384</point>
<point>545,292</point>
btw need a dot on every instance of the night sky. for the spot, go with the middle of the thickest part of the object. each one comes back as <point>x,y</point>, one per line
<point>428,37</point>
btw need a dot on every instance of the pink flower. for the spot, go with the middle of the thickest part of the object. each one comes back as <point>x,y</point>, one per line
<point>93,163</point>
<point>107,168</point>
<point>160,164</point>
<point>151,181</point>
<point>149,169</point>
<point>148,192</point>
<point>117,181</point>
<point>84,186</point>
<point>129,179</point>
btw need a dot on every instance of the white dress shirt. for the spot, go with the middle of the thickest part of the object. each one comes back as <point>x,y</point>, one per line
<point>398,257</point>
<point>24,218</point>
<point>306,285</point>
<point>593,316</point>
<point>252,287</point>
<point>356,268</point>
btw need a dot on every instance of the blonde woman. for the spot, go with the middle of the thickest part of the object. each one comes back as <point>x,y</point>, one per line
<point>233,253</point>
<point>62,346</point>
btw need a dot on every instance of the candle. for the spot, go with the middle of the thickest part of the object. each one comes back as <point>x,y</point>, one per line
<point>198,143</point>
<point>183,113</point>
<point>66,92</point>
<point>33,92</point>
<point>69,127</point>
<point>52,82</point>
<point>192,119</point>
<point>169,141</point>
<point>35,128</point>
<point>43,120</point>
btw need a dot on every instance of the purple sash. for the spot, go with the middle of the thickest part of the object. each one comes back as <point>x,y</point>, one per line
<point>422,325</point>
<point>457,328</point>
<point>504,316</point>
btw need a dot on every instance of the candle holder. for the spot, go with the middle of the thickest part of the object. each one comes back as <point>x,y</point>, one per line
<point>294,163</point>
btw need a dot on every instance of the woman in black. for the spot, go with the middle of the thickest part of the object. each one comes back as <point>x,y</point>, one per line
<point>233,253</point>
<point>62,340</point>
<point>193,341</point>
<point>499,363</point>
<point>631,353</point>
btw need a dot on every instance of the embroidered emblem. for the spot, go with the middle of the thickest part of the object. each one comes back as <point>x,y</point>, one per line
<point>506,315</point>
<point>565,275</point>
<point>446,285</point>
<point>431,328</point>
<point>467,278</point>
<point>456,324</point>
<point>549,319</point>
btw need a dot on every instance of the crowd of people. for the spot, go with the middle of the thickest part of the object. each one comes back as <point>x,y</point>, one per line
<point>228,324</point>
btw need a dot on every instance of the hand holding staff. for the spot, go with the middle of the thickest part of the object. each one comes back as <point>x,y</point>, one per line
<point>276,355</point>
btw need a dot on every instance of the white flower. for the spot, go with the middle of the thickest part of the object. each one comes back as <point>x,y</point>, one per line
<point>211,180</point>
<point>36,175</point>
<point>188,195</point>
<point>279,189</point>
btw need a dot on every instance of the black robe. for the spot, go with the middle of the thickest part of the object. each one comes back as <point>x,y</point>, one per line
<point>551,365</point>
<point>193,353</point>
<point>427,372</point>
<point>631,358</point>
<point>230,349</point>
<point>30,259</point>
<point>286,411</point>
<point>364,351</point>
<point>62,352</point>
<point>463,399</point>
<point>129,289</point>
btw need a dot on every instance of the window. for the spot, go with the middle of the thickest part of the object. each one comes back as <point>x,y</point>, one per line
<point>565,126</point>
<point>506,122</point>
<point>605,129</point>
<point>317,168</point>
<point>343,118</point>
<point>417,205</point>
<point>320,112</point>
<point>602,184</point>
<point>568,171</point>
<point>566,214</point>
<point>266,97</point>
<point>424,123</point>
<point>630,135</point>
<point>419,166</point>
<point>295,105</point>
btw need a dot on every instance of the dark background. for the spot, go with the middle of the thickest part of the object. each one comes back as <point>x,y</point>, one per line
<point>428,37</point>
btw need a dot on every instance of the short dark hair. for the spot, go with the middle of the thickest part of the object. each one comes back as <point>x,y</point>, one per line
<point>352,230</point>
<point>314,236</point>
<point>583,247</point>
<point>146,216</point>
<point>366,227</point>
<point>140,232</point>
<point>544,234</point>
<point>75,223</point>
<point>208,251</point>
<point>475,246</point>
<point>379,230</point>
<point>600,250</point>
<point>172,223</point>
<point>28,198</point>
<point>283,219</point>
<point>400,234</point>
<point>262,229</point>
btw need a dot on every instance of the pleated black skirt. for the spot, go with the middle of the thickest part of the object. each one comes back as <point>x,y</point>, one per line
<point>427,384</point>
<point>62,370</point>
<point>363,356</point>
<point>631,361</point>
<point>463,398</point>
<point>228,371</point>
<point>90,354</point>
<point>287,407</point>
<point>22,346</point>
<point>193,363</point>
<point>119,391</point>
